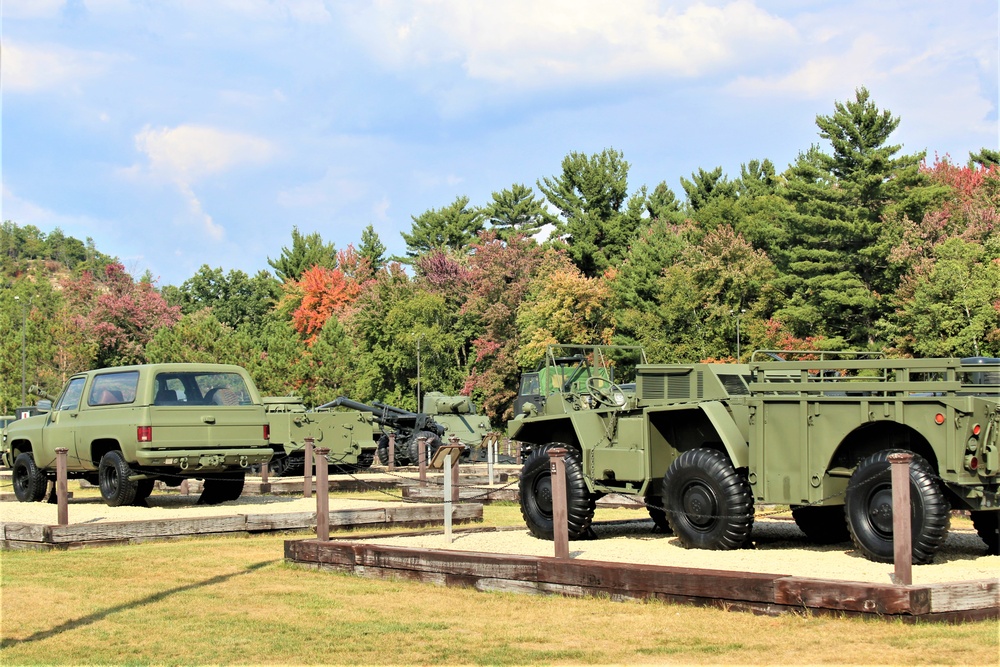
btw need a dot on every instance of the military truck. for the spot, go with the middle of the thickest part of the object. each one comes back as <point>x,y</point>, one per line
<point>126,427</point>
<point>703,443</point>
<point>566,369</point>
<point>347,434</point>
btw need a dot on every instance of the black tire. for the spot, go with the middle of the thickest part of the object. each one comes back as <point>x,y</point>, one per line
<point>144,487</point>
<point>433,442</point>
<point>824,524</point>
<point>987,523</point>
<point>382,450</point>
<point>366,458</point>
<point>116,487</point>
<point>222,487</point>
<point>708,503</point>
<point>29,482</point>
<point>654,505</point>
<point>869,509</point>
<point>535,487</point>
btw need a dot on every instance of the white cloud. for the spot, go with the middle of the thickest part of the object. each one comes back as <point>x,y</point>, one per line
<point>525,43</point>
<point>35,68</point>
<point>32,9</point>
<point>188,152</point>
<point>184,154</point>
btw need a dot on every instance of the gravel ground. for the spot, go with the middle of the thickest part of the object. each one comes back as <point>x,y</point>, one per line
<point>779,546</point>
<point>779,549</point>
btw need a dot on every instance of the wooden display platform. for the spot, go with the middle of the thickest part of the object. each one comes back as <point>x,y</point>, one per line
<point>44,537</point>
<point>745,591</point>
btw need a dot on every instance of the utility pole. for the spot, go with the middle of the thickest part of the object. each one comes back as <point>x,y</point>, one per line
<point>24,363</point>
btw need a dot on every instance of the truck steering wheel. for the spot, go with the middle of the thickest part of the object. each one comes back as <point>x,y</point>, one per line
<point>605,391</point>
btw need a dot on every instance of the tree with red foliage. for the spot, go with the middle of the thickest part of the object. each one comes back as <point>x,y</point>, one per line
<point>325,293</point>
<point>118,313</point>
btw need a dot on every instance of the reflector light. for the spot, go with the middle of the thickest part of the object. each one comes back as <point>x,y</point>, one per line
<point>939,419</point>
<point>975,429</point>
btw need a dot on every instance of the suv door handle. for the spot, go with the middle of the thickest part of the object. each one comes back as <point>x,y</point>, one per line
<point>208,419</point>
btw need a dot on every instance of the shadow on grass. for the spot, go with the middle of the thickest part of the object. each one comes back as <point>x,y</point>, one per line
<point>73,624</point>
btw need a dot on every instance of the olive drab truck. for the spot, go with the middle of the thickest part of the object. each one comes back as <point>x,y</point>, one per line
<point>125,428</point>
<point>703,444</point>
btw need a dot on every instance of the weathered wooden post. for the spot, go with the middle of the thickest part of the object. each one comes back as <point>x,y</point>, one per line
<point>422,459</point>
<point>307,470</point>
<point>392,451</point>
<point>322,495</point>
<point>62,493</point>
<point>560,519</point>
<point>902,537</point>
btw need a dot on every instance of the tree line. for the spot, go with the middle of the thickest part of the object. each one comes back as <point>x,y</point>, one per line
<point>855,245</point>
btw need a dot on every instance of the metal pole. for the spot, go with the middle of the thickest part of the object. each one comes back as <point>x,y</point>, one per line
<point>491,442</point>
<point>447,497</point>
<point>560,518</point>
<point>307,470</point>
<point>62,493</point>
<point>418,371</point>
<point>322,495</point>
<point>422,459</point>
<point>738,338</point>
<point>24,364</point>
<point>902,537</point>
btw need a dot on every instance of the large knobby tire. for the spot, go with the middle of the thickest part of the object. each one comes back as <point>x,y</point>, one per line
<point>987,523</point>
<point>708,502</point>
<point>222,487</point>
<point>535,486</point>
<point>29,482</point>
<point>824,524</point>
<point>433,442</point>
<point>869,509</point>
<point>116,487</point>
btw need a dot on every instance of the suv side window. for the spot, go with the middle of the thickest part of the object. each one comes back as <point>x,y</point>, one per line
<point>113,388</point>
<point>70,400</point>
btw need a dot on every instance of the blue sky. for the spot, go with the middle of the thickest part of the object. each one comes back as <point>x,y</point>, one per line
<point>189,132</point>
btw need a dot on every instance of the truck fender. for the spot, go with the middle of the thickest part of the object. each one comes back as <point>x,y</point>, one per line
<point>732,439</point>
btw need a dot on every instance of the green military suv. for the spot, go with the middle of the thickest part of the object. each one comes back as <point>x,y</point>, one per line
<point>124,428</point>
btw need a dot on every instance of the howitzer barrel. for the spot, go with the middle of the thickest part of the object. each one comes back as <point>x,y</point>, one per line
<point>41,393</point>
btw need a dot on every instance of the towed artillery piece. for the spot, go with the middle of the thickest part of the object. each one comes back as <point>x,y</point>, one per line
<point>407,426</point>
<point>348,436</point>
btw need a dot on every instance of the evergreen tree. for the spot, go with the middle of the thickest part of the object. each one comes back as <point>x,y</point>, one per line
<point>598,219</point>
<point>372,249</point>
<point>836,259</point>
<point>516,211</point>
<point>705,186</point>
<point>306,252</point>
<point>664,205</point>
<point>450,228</point>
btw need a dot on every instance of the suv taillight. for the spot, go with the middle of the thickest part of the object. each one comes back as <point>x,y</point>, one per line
<point>267,431</point>
<point>144,433</point>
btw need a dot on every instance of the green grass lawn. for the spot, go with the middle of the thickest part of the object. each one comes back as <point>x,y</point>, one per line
<point>235,601</point>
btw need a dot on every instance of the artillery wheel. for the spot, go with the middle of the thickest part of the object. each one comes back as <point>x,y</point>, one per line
<point>654,505</point>
<point>822,524</point>
<point>869,509</point>
<point>605,391</point>
<point>433,442</point>
<point>116,487</point>
<point>30,483</point>
<point>222,487</point>
<point>382,450</point>
<point>707,501</point>
<point>987,524</point>
<point>535,486</point>
<point>366,458</point>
